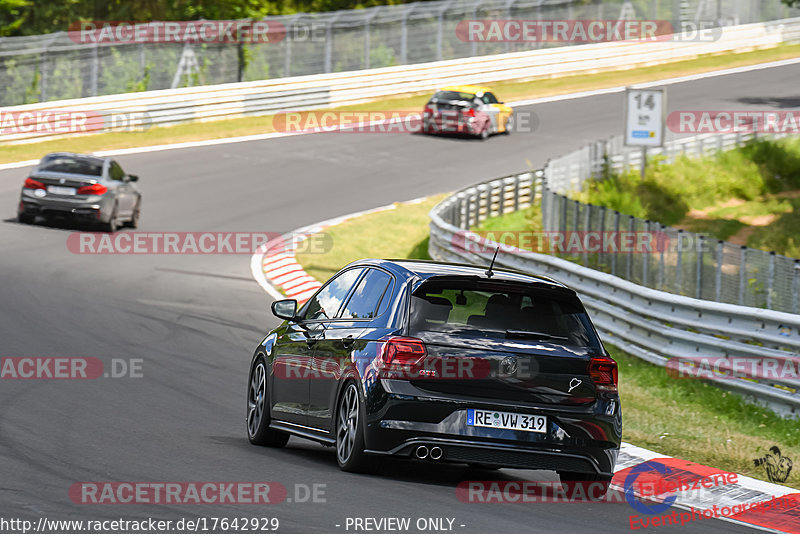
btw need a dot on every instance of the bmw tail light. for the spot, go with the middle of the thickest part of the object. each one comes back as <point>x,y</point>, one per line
<point>30,183</point>
<point>603,372</point>
<point>94,189</point>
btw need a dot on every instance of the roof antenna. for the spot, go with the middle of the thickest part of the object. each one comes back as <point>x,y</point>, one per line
<point>489,272</point>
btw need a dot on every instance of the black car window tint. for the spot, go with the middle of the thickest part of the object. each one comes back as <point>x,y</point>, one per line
<point>71,165</point>
<point>363,302</point>
<point>326,303</point>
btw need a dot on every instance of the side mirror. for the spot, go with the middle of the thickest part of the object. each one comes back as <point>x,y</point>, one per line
<point>285,309</point>
<point>133,177</point>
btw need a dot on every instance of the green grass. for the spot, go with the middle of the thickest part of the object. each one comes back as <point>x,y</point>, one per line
<point>687,419</point>
<point>508,91</point>
<point>401,232</point>
<point>694,420</point>
<point>717,195</point>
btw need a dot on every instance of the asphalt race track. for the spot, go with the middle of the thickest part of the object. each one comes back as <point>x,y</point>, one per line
<point>194,321</point>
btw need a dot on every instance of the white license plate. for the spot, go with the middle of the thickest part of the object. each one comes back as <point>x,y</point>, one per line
<point>506,420</point>
<point>58,190</point>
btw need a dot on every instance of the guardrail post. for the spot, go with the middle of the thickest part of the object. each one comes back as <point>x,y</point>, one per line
<point>663,245</point>
<point>615,254</point>
<point>629,254</point>
<point>43,76</point>
<point>587,217</point>
<point>742,273</point>
<point>646,259</point>
<point>701,245</point>
<point>601,256</point>
<point>770,279</point>
<point>95,69</point>
<point>576,213</point>
<point>718,280</point>
<point>328,47</point>
<point>795,284</point>
<point>679,264</point>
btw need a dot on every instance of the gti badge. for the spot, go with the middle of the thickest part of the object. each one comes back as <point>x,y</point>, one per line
<point>573,384</point>
<point>509,365</point>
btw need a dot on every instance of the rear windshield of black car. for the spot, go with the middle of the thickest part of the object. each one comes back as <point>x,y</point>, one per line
<point>71,165</point>
<point>449,96</point>
<point>501,311</point>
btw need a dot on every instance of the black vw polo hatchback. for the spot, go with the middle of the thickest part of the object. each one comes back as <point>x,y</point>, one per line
<point>440,362</point>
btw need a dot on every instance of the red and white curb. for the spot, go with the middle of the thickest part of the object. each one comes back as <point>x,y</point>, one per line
<point>747,501</point>
<point>276,269</point>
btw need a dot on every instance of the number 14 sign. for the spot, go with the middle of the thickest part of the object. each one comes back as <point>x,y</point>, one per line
<point>645,114</point>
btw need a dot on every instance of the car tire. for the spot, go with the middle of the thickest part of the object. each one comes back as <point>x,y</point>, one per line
<point>258,418</point>
<point>112,225</point>
<point>349,427</point>
<point>594,488</point>
<point>134,222</point>
<point>25,218</point>
<point>484,133</point>
<point>509,125</point>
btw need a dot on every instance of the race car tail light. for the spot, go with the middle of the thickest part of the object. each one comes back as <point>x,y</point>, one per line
<point>30,183</point>
<point>402,354</point>
<point>428,110</point>
<point>94,189</point>
<point>469,112</point>
<point>603,372</point>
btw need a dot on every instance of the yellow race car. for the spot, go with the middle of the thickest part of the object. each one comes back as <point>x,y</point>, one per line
<point>466,109</point>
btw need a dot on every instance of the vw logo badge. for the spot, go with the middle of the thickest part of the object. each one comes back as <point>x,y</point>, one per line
<point>509,365</point>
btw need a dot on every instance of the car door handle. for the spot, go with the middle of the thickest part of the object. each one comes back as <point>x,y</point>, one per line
<point>348,342</point>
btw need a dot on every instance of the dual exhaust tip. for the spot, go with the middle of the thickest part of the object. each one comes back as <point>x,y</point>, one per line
<point>434,453</point>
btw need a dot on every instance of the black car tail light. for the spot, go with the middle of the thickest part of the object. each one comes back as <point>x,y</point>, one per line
<point>402,353</point>
<point>603,372</point>
<point>30,183</point>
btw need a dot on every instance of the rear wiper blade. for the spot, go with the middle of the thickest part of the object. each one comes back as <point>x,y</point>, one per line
<point>528,334</point>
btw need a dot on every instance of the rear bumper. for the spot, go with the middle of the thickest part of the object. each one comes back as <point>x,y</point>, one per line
<point>584,439</point>
<point>438,124</point>
<point>89,210</point>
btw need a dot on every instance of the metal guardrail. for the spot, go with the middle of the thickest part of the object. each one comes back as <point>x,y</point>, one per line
<point>687,263</point>
<point>53,67</point>
<point>211,102</point>
<point>653,325</point>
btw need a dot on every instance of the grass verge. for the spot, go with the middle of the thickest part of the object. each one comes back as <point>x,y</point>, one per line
<point>687,419</point>
<point>509,91</point>
<point>749,195</point>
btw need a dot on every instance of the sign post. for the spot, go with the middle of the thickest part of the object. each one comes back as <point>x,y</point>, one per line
<point>645,119</point>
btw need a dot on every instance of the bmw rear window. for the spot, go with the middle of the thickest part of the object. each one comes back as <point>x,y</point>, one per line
<point>501,311</point>
<point>453,95</point>
<point>72,165</point>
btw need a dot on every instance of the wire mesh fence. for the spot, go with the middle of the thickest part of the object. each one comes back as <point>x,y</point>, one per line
<point>56,67</point>
<point>669,259</point>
